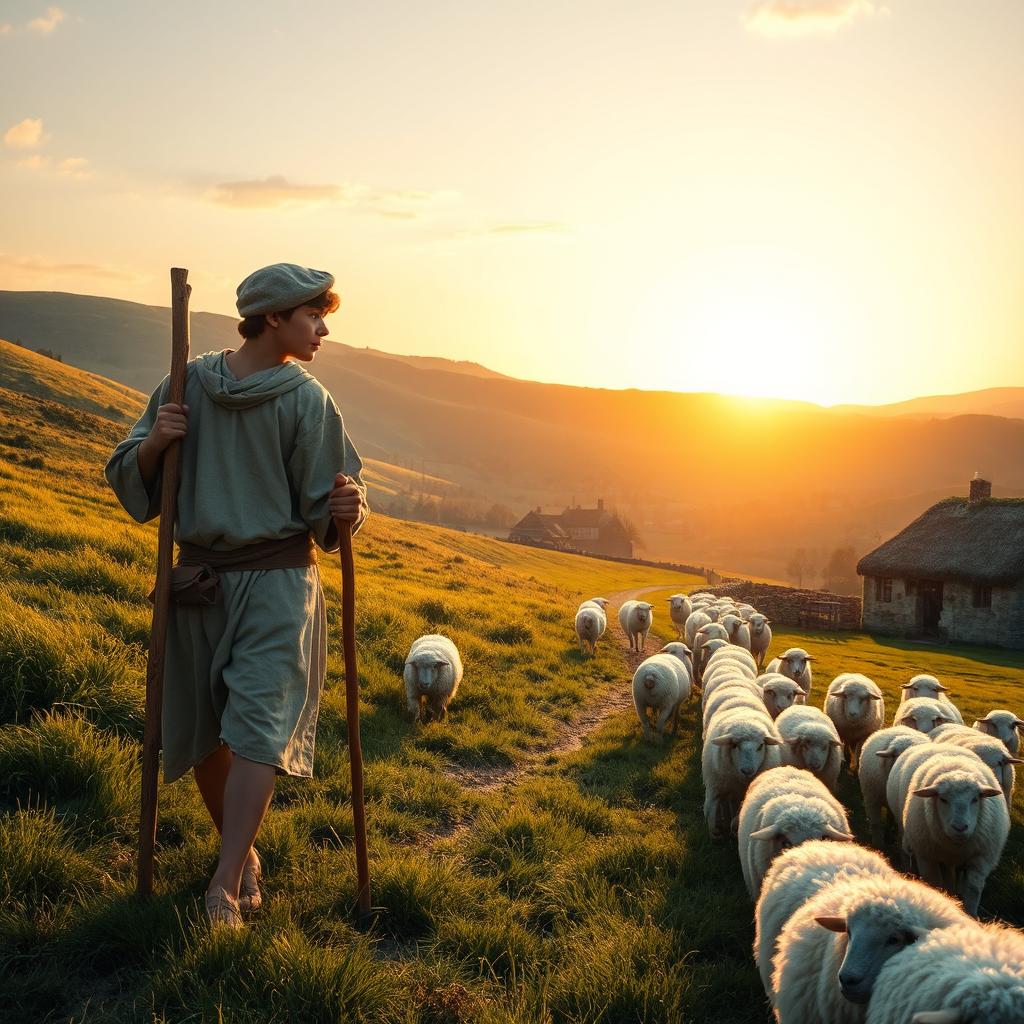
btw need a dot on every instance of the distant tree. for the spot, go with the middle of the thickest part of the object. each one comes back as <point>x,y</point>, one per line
<point>500,516</point>
<point>840,572</point>
<point>632,531</point>
<point>800,565</point>
<point>49,353</point>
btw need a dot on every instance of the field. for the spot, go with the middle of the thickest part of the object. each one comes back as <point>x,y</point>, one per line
<point>517,876</point>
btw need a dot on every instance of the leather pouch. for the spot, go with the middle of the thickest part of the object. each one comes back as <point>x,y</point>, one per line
<point>196,586</point>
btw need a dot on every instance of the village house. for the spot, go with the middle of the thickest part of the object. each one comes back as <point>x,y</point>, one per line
<point>594,530</point>
<point>956,573</point>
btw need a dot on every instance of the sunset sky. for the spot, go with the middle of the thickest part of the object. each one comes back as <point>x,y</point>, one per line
<point>818,199</point>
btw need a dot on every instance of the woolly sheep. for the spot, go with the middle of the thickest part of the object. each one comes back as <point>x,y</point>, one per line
<point>796,664</point>
<point>679,650</point>
<point>746,610</point>
<point>992,751</point>
<point>832,949</point>
<point>730,670</point>
<point>702,638</point>
<point>784,807</point>
<point>963,974</point>
<point>922,714</point>
<point>737,630</point>
<point>924,685</point>
<point>1003,725</point>
<point>721,678</point>
<point>760,637</point>
<point>780,693</point>
<point>726,694</point>
<point>952,827</point>
<point>679,610</point>
<point>738,745</point>
<point>793,878</point>
<point>636,618</point>
<point>590,626</point>
<point>810,742</point>
<point>433,671</point>
<point>856,706</point>
<point>601,602</point>
<point>660,684</point>
<point>877,756</point>
<point>695,620</point>
<point>732,653</point>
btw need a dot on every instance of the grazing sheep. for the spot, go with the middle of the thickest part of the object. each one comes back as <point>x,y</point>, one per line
<point>738,745</point>
<point>793,878</point>
<point>962,974</point>
<point>924,685</point>
<point>734,693</point>
<point>831,950</point>
<point>922,714</point>
<point>679,610</point>
<point>796,664</point>
<point>695,620</point>
<point>660,684</point>
<point>780,693</point>
<point>590,626</point>
<point>952,827</point>
<point>636,619</point>
<point>1003,725</point>
<point>737,630</point>
<point>433,671</point>
<point>877,756</point>
<point>992,751</point>
<point>810,742</point>
<point>856,706</point>
<point>784,807</point>
<point>760,637</point>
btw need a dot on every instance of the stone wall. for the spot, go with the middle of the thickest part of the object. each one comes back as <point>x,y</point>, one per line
<point>899,617</point>
<point>789,606</point>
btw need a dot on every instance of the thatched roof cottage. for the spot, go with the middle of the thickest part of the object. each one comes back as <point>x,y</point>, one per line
<point>595,530</point>
<point>955,573</point>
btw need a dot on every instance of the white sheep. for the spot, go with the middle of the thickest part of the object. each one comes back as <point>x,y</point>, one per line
<point>601,602</point>
<point>746,610</point>
<point>780,693</point>
<point>951,826</point>
<point>924,685</point>
<point>694,621</point>
<point>1003,725</point>
<point>706,641</point>
<point>636,619</point>
<point>962,974</point>
<point>856,706</point>
<point>679,650</point>
<point>831,950</point>
<point>992,751</point>
<point>732,694</point>
<point>432,673</point>
<point>590,626</point>
<point>793,878</point>
<point>922,714</point>
<point>732,654</point>
<point>737,629</point>
<point>660,684</point>
<point>796,664</point>
<point>784,807</point>
<point>739,744</point>
<point>810,742</point>
<point>731,670</point>
<point>679,610</point>
<point>721,678</point>
<point>760,637</point>
<point>877,757</point>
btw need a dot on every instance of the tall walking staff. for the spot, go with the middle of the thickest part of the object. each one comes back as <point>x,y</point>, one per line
<point>355,751</point>
<point>180,292</point>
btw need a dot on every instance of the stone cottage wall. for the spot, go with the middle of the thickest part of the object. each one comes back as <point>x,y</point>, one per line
<point>789,606</point>
<point>898,617</point>
<point>1002,625</point>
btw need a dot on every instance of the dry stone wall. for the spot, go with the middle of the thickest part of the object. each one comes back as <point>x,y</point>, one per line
<point>789,606</point>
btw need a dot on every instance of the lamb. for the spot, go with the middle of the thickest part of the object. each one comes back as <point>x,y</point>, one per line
<point>590,626</point>
<point>738,745</point>
<point>732,694</point>
<point>780,693</point>
<point>636,619</point>
<point>433,671</point>
<point>877,755</point>
<point>924,685</point>
<point>796,664</point>
<point>831,950</point>
<point>962,974</point>
<point>784,807</point>
<point>992,751</point>
<point>856,706</point>
<point>695,620</point>
<point>760,637</point>
<point>1003,725</point>
<point>922,713</point>
<point>793,878</point>
<point>679,610</point>
<point>810,741</point>
<point>660,684</point>
<point>952,827</point>
<point>737,629</point>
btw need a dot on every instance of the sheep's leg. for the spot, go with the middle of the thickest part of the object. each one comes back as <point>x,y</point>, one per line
<point>931,872</point>
<point>663,718</point>
<point>874,815</point>
<point>971,883</point>
<point>675,717</point>
<point>712,814</point>
<point>438,707</point>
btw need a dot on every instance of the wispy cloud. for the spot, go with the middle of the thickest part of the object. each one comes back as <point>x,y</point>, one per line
<point>25,134</point>
<point>406,204</point>
<point>47,22</point>
<point>6,28</point>
<point>803,17</point>
<point>35,162</point>
<point>37,266</point>
<point>74,167</point>
<point>274,191</point>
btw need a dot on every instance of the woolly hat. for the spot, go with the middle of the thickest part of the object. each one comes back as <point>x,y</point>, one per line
<point>280,286</point>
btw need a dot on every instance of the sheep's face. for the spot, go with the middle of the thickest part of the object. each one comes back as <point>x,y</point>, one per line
<point>956,801</point>
<point>746,753</point>
<point>779,696</point>
<point>795,665</point>
<point>428,672</point>
<point>814,752</point>
<point>923,686</point>
<point>642,613</point>
<point>1003,725</point>
<point>858,703</point>
<point>923,719</point>
<point>711,613</point>
<point>757,624</point>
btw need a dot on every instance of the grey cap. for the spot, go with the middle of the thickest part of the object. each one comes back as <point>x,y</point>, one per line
<point>280,286</point>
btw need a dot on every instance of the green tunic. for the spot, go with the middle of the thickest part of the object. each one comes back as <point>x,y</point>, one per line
<point>257,464</point>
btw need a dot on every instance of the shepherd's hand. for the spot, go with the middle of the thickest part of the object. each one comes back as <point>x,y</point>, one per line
<point>346,500</point>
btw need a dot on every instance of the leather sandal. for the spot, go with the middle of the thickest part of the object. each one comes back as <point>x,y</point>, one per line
<point>222,908</point>
<point>249,895</point>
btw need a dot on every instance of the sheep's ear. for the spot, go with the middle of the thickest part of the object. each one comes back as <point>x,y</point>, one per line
<point>809,657</point>
<point>941,688</point>
<point>833,924</point>
<point>989,791</point>
<point>1018,723</point>
<point>767,833</point>
<point>1014,760</point>
<point>874,696</point>
<point>938,1017</point>
<point>885,753</point>
<point>835,743</point>
<point>722,741</point>
<point>771,741</point>
<point>841,692</point>
<point>839,837</point>
<point>982,721</point>
<point>926,791</point>
<point>801,693</point>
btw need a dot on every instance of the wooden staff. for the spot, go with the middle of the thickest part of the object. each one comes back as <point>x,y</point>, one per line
<point>355,751</point>
<point>180,292</point>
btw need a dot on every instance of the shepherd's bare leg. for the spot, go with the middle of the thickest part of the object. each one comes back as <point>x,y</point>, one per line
<point>211,775</point>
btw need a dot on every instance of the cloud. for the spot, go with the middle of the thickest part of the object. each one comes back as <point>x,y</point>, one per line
<point>802,17</point>
<point>46,23</point>
<point>74,167</point>
<point>6,28</point>
<point>36,265</point>
<point>35,162</point>
<point>274,191</point>
<point>405,204</point>
<point>25,134</point>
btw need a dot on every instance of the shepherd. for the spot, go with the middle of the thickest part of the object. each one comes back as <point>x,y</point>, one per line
<point>266,468</point>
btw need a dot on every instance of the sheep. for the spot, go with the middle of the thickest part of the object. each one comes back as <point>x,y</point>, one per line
<point>745,611</point>
<point>679,650</point>
<point>737,630</point>
<point>1003,725</point>
<point>660,684</point>
<point>636,619</point>
<point>793,878</point>
<point>732,653</point>
<point>796,664</point>
<point>694,621</point>
<point>433,671</point>
<point>760,637</point>
<point>962,974</point>
<point>780,693</point>
<point>992,751</point>
<point>831,950</point>
<point>784,807</point>
<point>679,610</point>
<point>810,742</point>
<point>856,706</point>
<point>590,626</point>
<point>732,669</point>
<point>877,755</point>
<point>952,827</point>
<point>924,685</point>
<point>601,602</point>
<point>738,745</point>
<point>922,714</point>
<point>734,693</point>
<point>709,639</point>
<point>721,678</point>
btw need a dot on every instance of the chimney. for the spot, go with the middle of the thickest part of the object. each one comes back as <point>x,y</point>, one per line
<point>980,488</point>
<point>538,508</point>
<point>600,504</point>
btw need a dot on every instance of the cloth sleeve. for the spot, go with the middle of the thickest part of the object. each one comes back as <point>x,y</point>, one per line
<point>122,470</point>
<point>322,450</point>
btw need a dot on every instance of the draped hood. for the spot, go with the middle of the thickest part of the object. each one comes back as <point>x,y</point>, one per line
<point>226,390</point>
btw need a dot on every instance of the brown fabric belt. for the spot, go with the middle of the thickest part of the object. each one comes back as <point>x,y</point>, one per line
<point>294,552</point>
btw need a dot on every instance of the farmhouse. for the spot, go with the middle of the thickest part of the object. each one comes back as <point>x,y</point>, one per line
<point>955,573</point>
<point>595,530</point>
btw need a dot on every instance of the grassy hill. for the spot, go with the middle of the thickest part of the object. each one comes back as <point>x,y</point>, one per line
<point>518,876</point>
